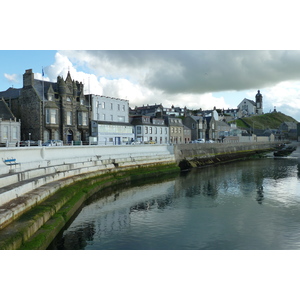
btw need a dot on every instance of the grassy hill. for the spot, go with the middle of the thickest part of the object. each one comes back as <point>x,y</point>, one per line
<point>266,121</point>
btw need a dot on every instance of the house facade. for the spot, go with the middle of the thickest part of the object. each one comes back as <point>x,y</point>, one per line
<point>150,129</point>
<point>197,125</point>
<point>10,128</point>
<point>176,130</point>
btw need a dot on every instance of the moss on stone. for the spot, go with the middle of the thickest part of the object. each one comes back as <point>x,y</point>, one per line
<point>72,198</point>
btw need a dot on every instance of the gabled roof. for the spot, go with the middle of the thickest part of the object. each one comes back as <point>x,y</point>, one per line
<point>251,101</point>
<point>39,85</point>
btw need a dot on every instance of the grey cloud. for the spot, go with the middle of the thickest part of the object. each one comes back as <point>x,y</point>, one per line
<point>198,72</point>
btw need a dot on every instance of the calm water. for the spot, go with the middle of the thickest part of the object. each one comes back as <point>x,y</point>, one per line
<point>244,205</point>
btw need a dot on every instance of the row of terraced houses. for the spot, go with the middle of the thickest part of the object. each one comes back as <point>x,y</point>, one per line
<point>43,110</point>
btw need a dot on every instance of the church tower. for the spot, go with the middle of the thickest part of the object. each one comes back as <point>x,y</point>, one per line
<point>259,103</point>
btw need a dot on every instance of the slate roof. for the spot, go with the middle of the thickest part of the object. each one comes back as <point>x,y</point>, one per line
<point>10,93</point>
<point>5,112</point>
<point>38,85</point>
<point>251,101</point>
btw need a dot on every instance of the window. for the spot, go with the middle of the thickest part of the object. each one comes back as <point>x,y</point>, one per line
<point>118,106</point>
<point>150,130</point>
<point>69,118</point>
<point>103,105</point>
<point>138,130</point>
<point>146,130</point>
<point>51,116</point>
<point>111,106</point>
<point>14,133</point>
<point>103,117</point>
<point>82,118</point>
<point>50,97</point>
<point>68,99</point>
<point>111,117</point>
<point>5,132</point>
<point>123,107</point>
<point>121,119</point>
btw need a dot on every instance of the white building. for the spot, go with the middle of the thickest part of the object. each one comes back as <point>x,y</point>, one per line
<point>110,120</point>
<point>10,129</point>
<point>249,107</point>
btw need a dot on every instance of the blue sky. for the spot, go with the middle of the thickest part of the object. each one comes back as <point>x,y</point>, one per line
<point>181,78</point>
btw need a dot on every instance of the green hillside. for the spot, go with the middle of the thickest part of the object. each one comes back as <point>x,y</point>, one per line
<point>266,121</point>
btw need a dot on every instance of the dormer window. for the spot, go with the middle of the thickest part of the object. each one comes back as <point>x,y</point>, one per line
<point>68,99</point>
<point>50,97</point>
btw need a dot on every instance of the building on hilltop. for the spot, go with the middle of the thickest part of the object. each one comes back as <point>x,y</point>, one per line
<point>249,107</point>
<point>50,110</point>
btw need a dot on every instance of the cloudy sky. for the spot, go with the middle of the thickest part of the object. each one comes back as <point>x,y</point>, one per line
<point>192,78</point>
<point>202,55</point>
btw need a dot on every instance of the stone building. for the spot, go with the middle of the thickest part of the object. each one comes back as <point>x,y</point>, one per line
<point>50,110</point>
<point>197,125</point>
<point>176,130</point>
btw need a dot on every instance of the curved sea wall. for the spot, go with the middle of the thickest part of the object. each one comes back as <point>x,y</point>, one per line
<point>41,193</point>
<point>197,155</point>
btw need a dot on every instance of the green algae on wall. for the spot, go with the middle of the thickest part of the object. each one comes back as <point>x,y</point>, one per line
<point>73,197</point>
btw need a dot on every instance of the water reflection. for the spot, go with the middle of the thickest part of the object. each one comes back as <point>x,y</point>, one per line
<point>244,205</point>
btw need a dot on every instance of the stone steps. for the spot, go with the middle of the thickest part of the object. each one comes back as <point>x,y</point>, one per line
<point>22,190</point>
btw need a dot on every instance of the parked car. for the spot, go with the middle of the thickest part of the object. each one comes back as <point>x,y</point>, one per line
<point>28,143</point>
<point>210,141</point>
<point>199,141</point>
<point>53,143</point>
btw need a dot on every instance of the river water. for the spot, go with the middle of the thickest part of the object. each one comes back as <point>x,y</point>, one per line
<point>252,204</point>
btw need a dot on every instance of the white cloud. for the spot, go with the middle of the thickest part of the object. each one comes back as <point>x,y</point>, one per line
<point>124,88</point>
<point>11,77</point>
<point>118,79</point>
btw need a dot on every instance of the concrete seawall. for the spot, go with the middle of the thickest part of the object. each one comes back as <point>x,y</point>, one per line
<point>42,172</point>
<point>28,183</point>
<point>196,155</point>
